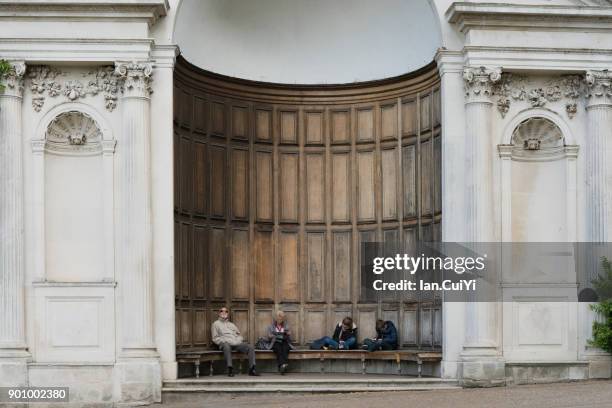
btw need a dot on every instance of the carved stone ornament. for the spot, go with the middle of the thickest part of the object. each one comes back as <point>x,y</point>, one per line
<point>73,133</point>
<point>12,81</point>
<point>513,87</point>
<point>598,87</point>
<point>537,133</point>
<point>136,77</point>
<point>46,81</point>
<point>479,82</point>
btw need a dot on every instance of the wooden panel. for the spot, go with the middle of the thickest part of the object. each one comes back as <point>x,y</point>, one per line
<point>288,127</point>
<point>240,188</point>
<point>436,107</point>
<point>314,325</point>
<point>239,122</point>
<point>186,108</point>
<point>426,112</point>
<point>367,324</point>
<point>365,187</point>
<point>393,315</point>
<point>426,177</point>
<point>200,243</point>
<point>426,327</point>
<point>438,326</point>
<point>409,117</point>
<point>288,273</point>
<point>342,266</point>
<point>186,326</point>
<point>293,319</point>
<point>218,263</point>
<point>409,180</point>
<point>218,177</point>
<point>263,318</point>
<point>264,186</point>
<point>201,329</point>
<point>365,125</point>
<point>187,258</point>
<point>240,318</point>
<point>186,177</point>
<point>199,115</point>
<point>263,125</point>
<point>438,174</point>
<point>389,184</point>
<point>340,127</point>
<point>217,118</point>
<point>314,128</point>
<point>341,187</point>
<point>409,328</point>
<point>315,187</point>
<point>388,121</point>
<point>200,182</point>
<point>289,187</point>
<point>264,269</point>
<point>239,259</point>
<point>316,266</point>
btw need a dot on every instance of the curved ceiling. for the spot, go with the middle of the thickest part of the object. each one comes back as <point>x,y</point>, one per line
<point>308,41</point>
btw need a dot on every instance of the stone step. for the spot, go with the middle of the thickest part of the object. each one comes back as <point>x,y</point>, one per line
<point>305,384</point>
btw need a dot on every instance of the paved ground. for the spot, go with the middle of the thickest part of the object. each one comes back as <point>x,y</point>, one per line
<point>592,394</point>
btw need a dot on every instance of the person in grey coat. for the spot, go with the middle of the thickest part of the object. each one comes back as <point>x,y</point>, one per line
<point>226,336</point>
<point>279,340</point>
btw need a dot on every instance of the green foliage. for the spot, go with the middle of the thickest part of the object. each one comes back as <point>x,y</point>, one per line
<point>5,67</point>
<point>603,282</point>
<point>602,330</point>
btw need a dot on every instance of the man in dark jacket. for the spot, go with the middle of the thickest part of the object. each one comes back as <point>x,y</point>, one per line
<point>344,337</point>
<point>386,337</point>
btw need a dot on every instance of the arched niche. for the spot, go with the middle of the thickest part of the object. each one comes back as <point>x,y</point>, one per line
<point>73,199</point>
<point>538,206</point>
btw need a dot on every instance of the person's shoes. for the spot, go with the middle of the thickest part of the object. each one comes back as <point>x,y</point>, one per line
<point>252,372</point>
<point>364,346</point>
<point>325,348</point>
<point>283,368</point>
<point>230,372</point>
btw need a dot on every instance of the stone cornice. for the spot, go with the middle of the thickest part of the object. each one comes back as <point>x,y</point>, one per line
<point>149,10</point>
<point>526,16</point>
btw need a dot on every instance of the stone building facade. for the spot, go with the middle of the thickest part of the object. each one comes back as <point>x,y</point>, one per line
<point>87,249</point>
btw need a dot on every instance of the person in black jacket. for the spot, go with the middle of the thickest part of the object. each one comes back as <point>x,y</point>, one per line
<point>344,337</point>
<point>386,337</point>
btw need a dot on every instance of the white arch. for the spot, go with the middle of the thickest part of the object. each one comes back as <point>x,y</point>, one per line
<point>57,110</point>
<point>270,41</point>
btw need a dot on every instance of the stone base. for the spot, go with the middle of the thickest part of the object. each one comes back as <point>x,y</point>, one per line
<point>540,372</point>
<point>13,372</point>
<point>88,384</point>
<point>485,372</point>
<point>137,381</point>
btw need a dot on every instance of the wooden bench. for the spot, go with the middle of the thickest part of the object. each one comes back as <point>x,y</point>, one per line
<point>209,356</point>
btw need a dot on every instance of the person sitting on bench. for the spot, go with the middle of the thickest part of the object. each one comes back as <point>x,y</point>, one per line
<point>279,340</point>
<point>226,335</point>
<point>344,337</point>
<point>386,337</point>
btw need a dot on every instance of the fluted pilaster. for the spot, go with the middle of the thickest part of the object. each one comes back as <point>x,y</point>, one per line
<point>134,239</point>
<point>599,133</point>
<point>12,279</point>
<point>481,317</point>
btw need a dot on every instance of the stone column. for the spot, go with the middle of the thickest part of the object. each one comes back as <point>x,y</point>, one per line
<point>13,349</point>
<point>140,376</point>
<point>481,365</point>
<point>599,134</point>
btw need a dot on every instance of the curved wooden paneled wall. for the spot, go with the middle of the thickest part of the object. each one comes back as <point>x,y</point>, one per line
<point>276,186</point>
